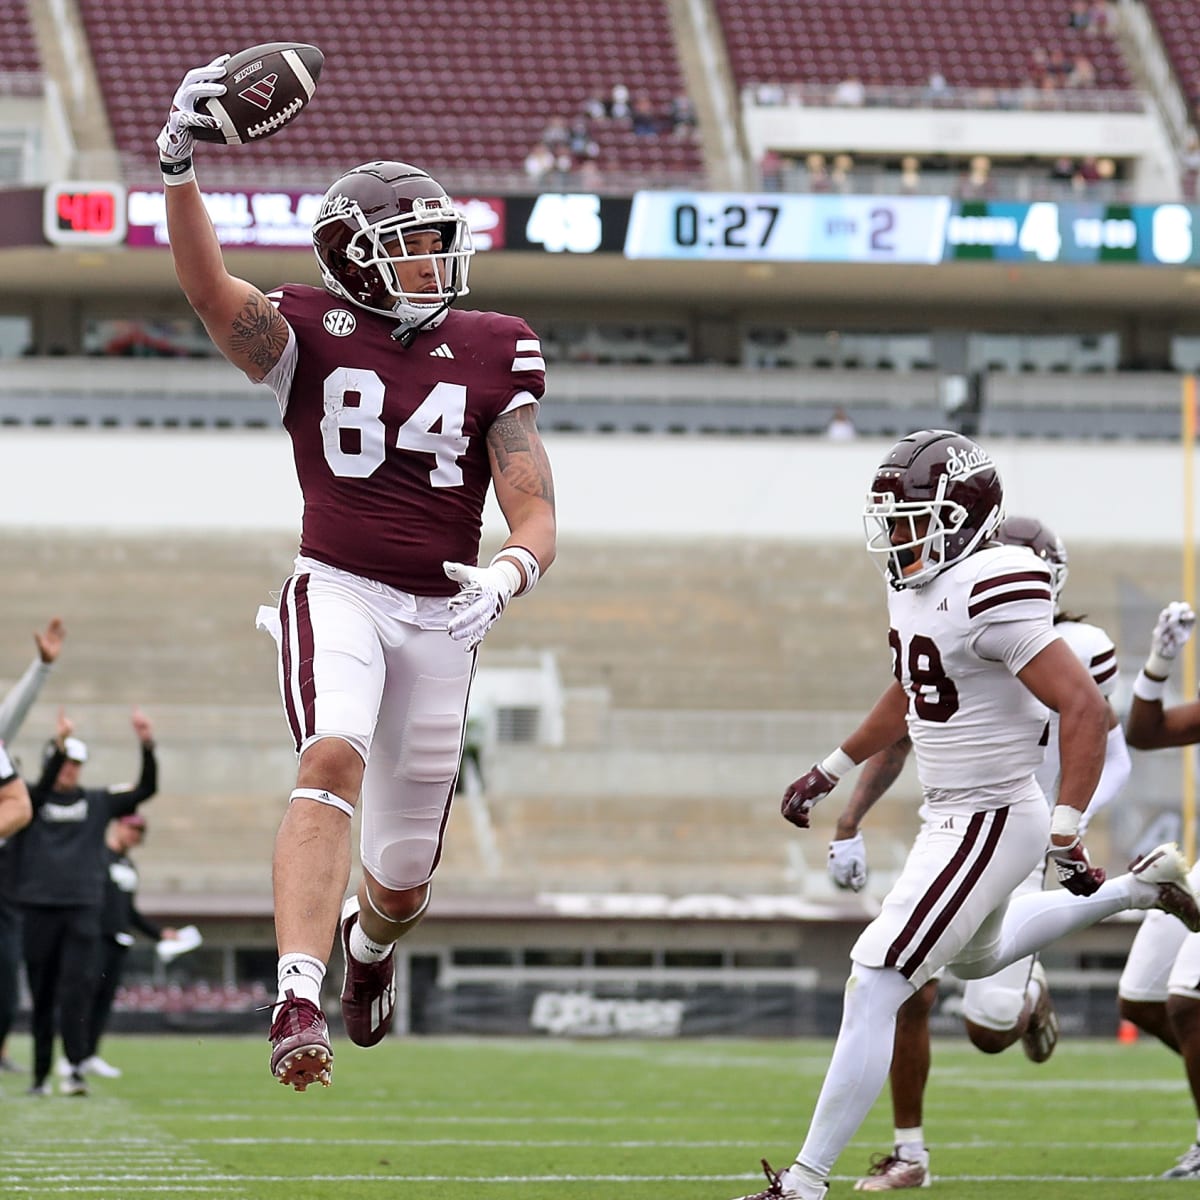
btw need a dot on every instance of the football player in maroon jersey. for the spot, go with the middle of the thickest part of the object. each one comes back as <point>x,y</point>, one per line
<point>977,662</point>
<point>402,412</point>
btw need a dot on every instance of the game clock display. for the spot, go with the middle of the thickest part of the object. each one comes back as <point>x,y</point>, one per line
<point>84,214</point>
<point>790,227</point>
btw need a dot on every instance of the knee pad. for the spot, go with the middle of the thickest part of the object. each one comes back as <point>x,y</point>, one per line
<point>993,1005</point>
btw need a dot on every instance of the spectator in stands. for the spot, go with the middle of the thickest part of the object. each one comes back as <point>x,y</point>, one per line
<point>1101,16</point>
<point>977,183</point>
<point>1002,668</point>
<point>619,108</point>
<point>387,598</point>
<point>841,427</point>
<point>910,174</point>
<point>119,920</point>
<point>1080,16</point>
<point>816,173</point>
<point>594,108</point>
<point>539,162</point>
<point>580,142</point>
<point>840,179</point>
<point>13,708</point>
<point>682,115</point>
<point>850,92</point>
<point>556,134</point>
<point>1082,74</point>
<point>770,171</point>
<point>645,119</point>
<point>1087,175</point>
<point>936,88</point>
<point>60,887</point>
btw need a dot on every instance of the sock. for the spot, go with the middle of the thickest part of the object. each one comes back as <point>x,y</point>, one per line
<point>858,1069</point>
<point>302,975</point>
<point>805,1180</point>
<point>363,949</point>
<point>910,1144</point>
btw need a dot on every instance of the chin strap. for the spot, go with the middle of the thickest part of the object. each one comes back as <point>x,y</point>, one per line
<point>406,334</point>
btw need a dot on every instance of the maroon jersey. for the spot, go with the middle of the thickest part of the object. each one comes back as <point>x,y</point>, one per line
<point>390,444</point>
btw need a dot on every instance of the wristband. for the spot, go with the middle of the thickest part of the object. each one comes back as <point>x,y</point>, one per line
<point>1145,688</point>
<point>529,564</point>
<point>175,173</point>
<point>837,764</point>
<point>1158,664</point>
<point>1064,821</point>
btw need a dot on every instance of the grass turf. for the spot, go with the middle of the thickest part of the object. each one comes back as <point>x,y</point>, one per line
<point>500,1119</point>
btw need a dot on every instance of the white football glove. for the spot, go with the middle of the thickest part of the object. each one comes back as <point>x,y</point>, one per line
<point>483,595</point>
<point>175,142</point>
<point>1171,631</point>
<point>848,862</point>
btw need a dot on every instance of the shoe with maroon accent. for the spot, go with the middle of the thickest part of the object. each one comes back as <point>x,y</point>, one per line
<point>368,989</point>
<point>300,1050</point>
<point>781,1189</point>
<point>1165,867</point>
<point>890,1172</point>
<point>1041,1033</point>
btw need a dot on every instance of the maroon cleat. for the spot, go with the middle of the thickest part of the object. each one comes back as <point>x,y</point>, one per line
<point>368,989</point>
<point>300,1050</point>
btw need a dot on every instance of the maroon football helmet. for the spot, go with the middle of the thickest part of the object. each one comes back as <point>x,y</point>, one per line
<point>359,237</point>
<point>936,498</point>
<point>1042,540</point>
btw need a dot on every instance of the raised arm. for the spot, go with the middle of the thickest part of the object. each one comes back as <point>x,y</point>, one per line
<point>243,324</point>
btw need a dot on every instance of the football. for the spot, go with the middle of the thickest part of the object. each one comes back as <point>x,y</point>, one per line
<point>266,88</point>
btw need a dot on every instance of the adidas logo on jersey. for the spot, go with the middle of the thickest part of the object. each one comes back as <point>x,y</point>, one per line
<point>943,607</point>
<point>443,351</point>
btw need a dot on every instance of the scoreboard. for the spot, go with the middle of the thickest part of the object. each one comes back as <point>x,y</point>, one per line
<point>764,227</point>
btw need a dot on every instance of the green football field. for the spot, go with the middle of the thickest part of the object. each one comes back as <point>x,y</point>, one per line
<point>452,1119</point>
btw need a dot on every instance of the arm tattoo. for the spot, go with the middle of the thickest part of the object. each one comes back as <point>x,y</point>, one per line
<point>520,455</point>
<point>259,333</point>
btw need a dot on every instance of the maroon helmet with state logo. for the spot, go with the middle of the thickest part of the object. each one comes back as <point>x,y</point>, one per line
<point>936,498</point>
<point>1042,540</point>
<point>359,237</point>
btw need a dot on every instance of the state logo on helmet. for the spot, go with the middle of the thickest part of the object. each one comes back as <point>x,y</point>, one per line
<point>935,498</point>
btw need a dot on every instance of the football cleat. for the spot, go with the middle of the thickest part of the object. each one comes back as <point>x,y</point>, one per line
<point>890,1172</point>
<point>1167,869</point>
<point>1041,1034</point>
<point>300,1050</point>
<point>73,1085</point>
<point>95,1065</point>
<point>1188,1166</point>
<point>40,1089</point>
<point>368,989</point>
<point>778,1190</point>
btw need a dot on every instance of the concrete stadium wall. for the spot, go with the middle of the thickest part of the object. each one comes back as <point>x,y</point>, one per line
<point>620,486</point>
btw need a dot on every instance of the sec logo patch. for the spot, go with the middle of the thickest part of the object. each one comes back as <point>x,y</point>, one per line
<point>339,322</point>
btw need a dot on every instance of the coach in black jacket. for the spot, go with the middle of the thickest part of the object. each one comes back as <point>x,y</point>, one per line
<point>60,887</point>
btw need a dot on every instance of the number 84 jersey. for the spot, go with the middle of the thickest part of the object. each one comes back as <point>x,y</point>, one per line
<point>390,442</point>
<point>957,645</point>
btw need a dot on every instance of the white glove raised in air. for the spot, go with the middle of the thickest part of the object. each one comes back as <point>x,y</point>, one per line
<point>484,593</point>
<point>175,142</point>
<point>848,862</point>
<point>1171,631</point>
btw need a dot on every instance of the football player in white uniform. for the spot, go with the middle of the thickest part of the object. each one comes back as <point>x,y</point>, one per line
<point>977,662</point>
<point>1014,1004</point>
<point>1159,989</point>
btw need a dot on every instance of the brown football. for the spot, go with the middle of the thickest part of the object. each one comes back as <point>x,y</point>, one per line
<point>266,88</point>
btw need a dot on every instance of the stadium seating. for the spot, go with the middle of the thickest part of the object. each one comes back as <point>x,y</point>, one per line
<point>18,48</point>
<point>1178,23</point>
<point>902,43</point>
<point>468,97</point>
